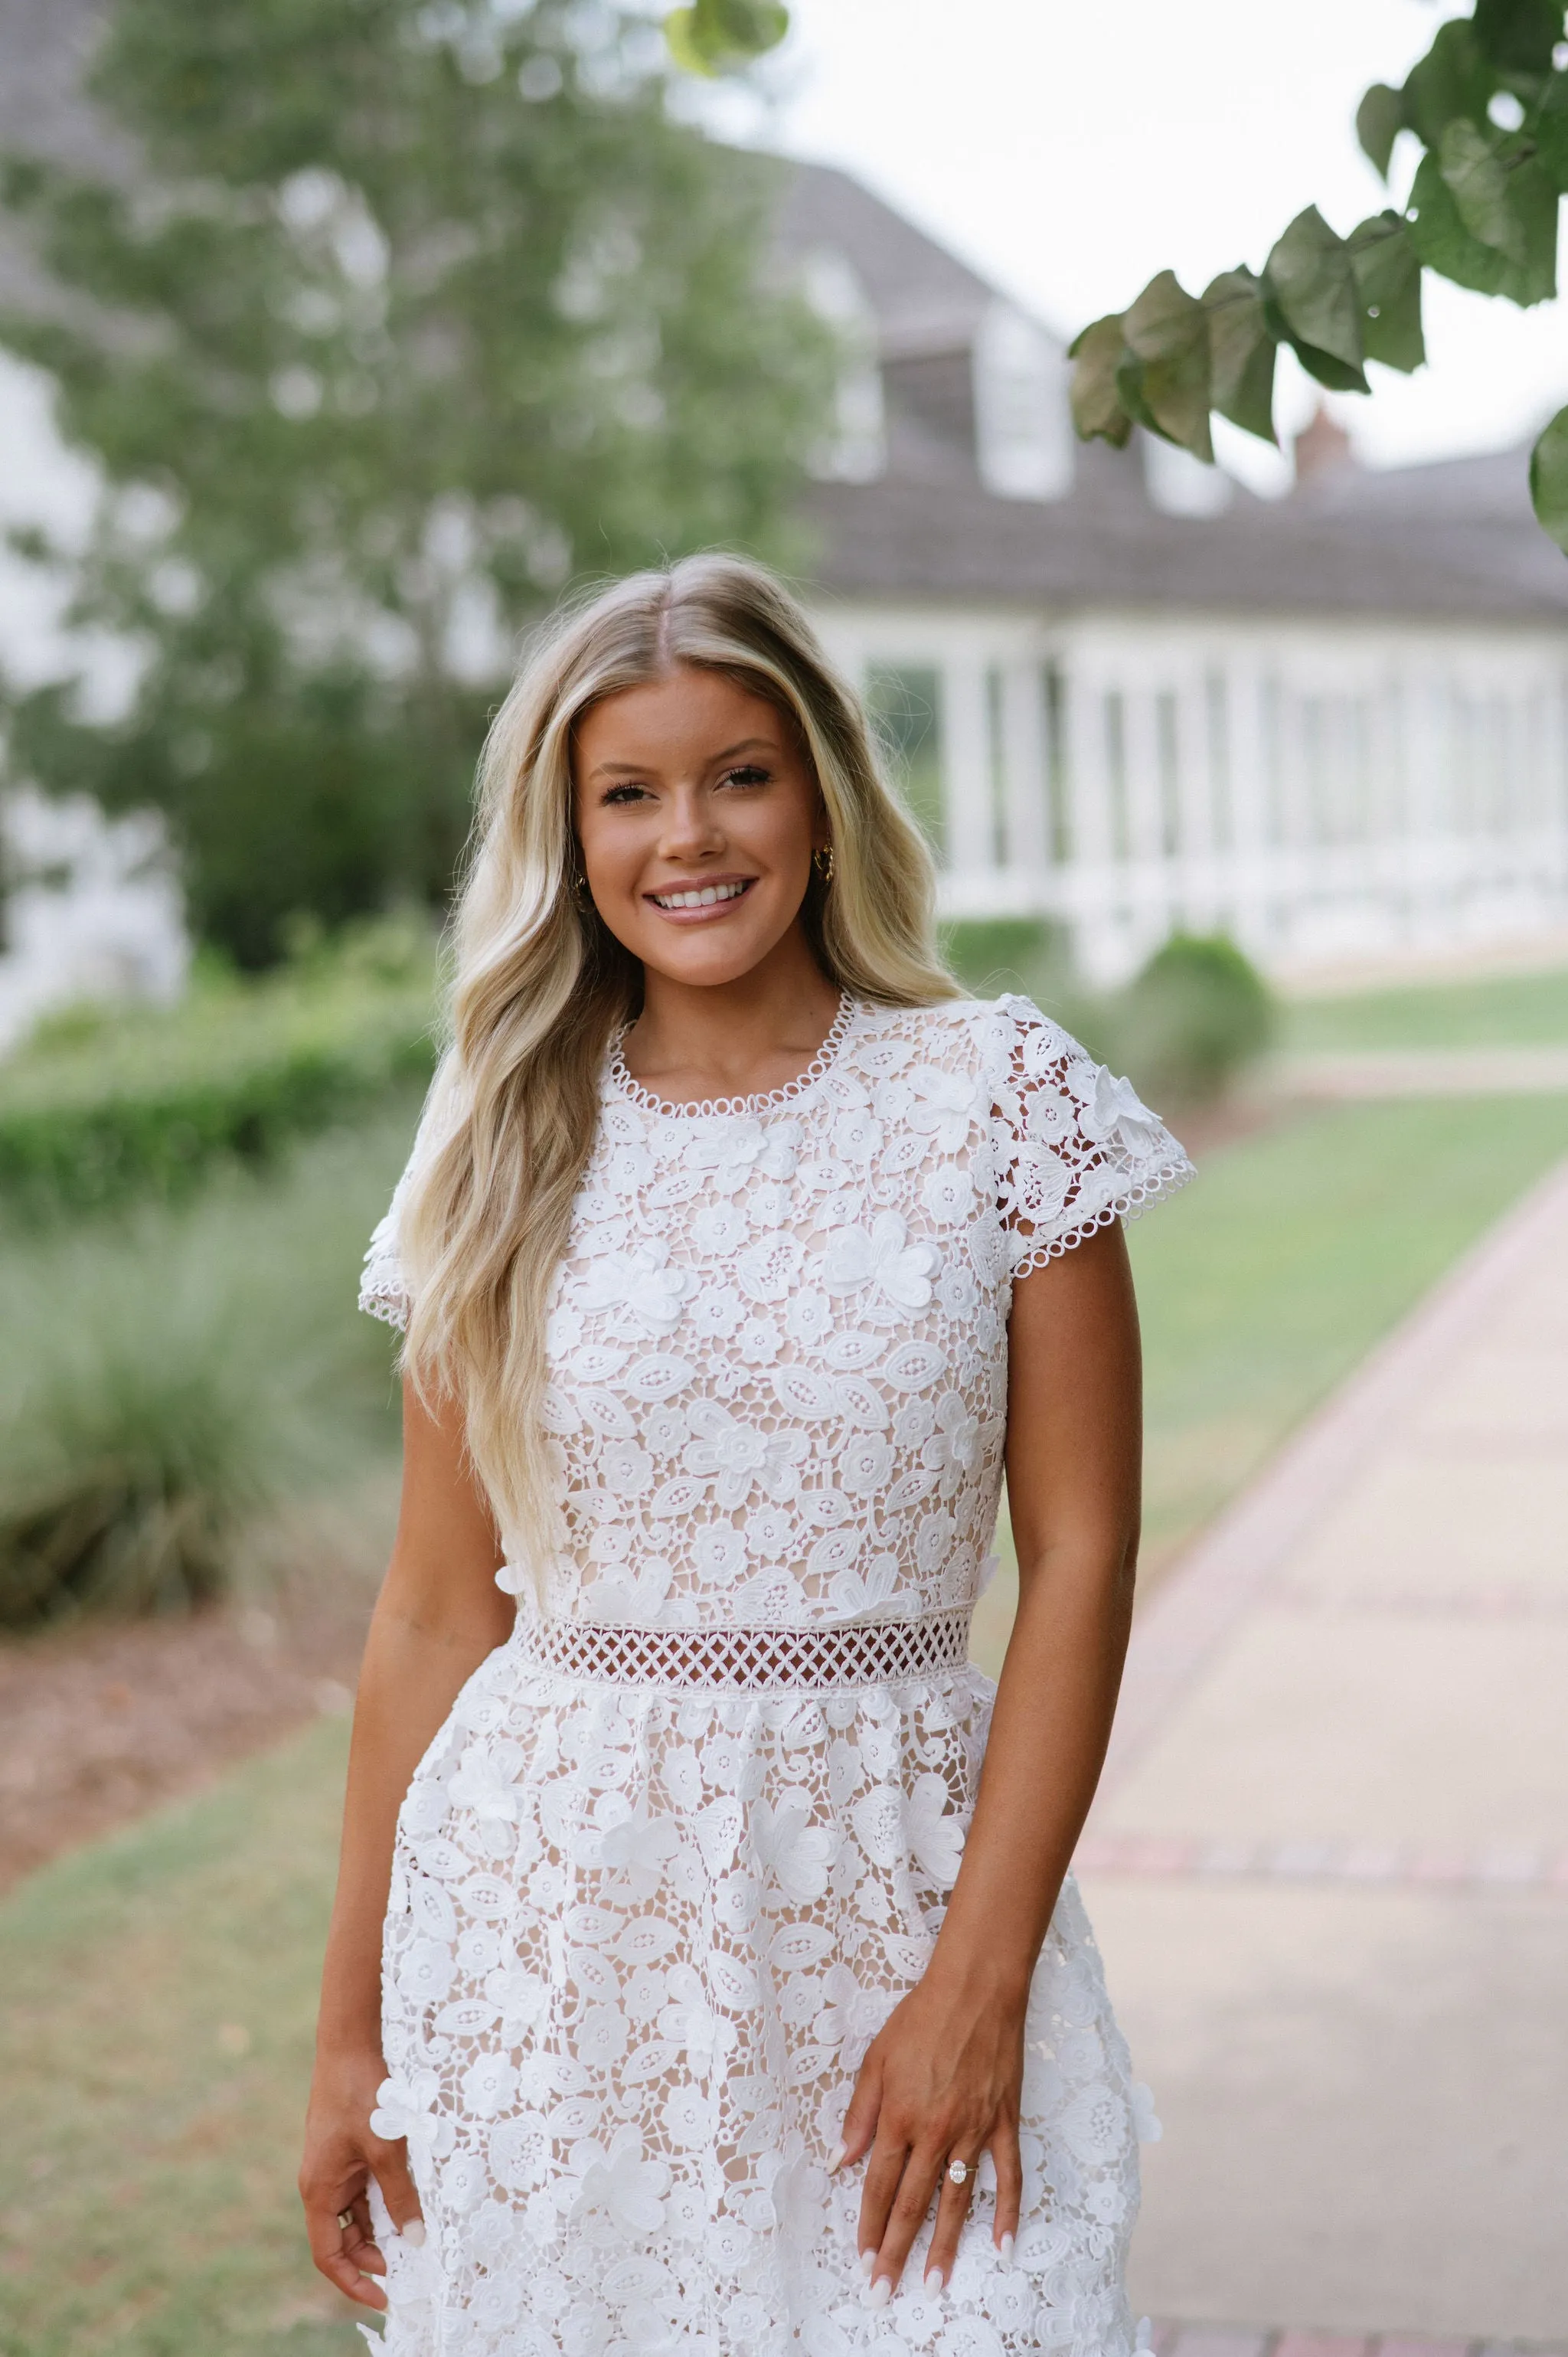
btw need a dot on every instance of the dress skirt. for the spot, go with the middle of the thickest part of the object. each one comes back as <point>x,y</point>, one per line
<point>654,1892</point>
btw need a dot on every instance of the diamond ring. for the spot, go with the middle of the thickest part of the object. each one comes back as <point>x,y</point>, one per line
<point>959,2172</point>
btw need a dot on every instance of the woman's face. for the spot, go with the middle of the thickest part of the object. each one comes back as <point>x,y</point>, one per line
<point>698,815</point>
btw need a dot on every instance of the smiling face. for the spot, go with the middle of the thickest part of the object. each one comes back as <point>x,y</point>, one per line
<point>698,813</point>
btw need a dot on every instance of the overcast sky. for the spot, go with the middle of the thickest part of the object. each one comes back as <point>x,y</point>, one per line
<point>1071,148</point>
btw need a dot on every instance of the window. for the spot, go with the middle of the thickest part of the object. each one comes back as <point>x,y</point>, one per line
<point>905,703</point>
<point>1120,817</point>
<point>854,449</point>
<point>1023,430</point>
<point>1167,748</point>
<point>1058,803</point>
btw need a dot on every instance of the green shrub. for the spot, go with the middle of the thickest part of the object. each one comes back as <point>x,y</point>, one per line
<point>1191,1021</point>
<point>101,1106</point>
<point>169,1377</point>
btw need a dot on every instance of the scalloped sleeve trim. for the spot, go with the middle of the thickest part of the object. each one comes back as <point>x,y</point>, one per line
<point>383,1289</point>
<point>1075,1147</point>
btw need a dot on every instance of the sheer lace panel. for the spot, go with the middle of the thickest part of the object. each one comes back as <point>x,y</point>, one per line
<point>751,1660</point>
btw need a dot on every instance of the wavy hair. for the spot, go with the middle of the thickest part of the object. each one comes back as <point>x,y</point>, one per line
<point>540,985</point>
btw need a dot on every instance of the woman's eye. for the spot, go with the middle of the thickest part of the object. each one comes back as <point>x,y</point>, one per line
<point>749,775</point>
<point>622,795</point>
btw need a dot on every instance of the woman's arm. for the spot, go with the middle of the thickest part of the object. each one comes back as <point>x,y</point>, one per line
<point>439,1613</point>
<point>943,2078</point>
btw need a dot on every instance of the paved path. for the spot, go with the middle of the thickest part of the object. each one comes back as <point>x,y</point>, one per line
<point>1329,1862</point>
<point>1420,1072</point>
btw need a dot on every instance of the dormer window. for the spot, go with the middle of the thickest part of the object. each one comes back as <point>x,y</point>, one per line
<point>1022,429</point>
<point>854,451</point>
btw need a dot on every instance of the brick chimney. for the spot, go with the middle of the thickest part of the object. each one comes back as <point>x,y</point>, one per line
<point>1322,448</point>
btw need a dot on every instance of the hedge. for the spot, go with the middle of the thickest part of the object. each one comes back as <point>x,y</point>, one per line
<point>145,1106</point>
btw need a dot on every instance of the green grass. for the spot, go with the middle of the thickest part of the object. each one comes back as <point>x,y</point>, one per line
<point>1291,1253</point>
<point>160,1993</point>
<point>1507,1011</point>
<point>147,2172</point>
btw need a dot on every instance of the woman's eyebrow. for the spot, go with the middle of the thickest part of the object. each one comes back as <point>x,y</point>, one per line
<point>641,768</point>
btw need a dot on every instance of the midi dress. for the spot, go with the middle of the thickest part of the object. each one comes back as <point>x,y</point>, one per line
<point>686,1837</point>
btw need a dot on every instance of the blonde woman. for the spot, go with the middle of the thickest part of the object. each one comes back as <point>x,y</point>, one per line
<point>705,1975</point>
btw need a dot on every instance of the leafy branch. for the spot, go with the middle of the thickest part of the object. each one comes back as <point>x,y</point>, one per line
<point>1489,104</point>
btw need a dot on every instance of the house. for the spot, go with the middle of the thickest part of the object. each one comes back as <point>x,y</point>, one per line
<point>1131,696</point>
<point>1125,694</point>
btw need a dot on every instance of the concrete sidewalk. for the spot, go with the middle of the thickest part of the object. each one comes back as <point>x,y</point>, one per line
<point>1329,1863</point>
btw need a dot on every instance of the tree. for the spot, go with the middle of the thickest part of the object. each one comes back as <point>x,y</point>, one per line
<point>1489,105</point>
<point>404,316</point>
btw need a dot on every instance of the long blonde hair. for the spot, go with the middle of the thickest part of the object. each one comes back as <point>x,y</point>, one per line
<point>540,985</point>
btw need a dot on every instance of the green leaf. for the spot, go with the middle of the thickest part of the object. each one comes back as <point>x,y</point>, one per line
<point>1164,379</point>
<point>1517,35</point>
<point>1548,480</point>
<point>1312,282</point>
<point>716,37</point>
<point>1097,409</point>
<point>1551,132</point>
<point>1387,279</point>
<point>1444,242</point>
<point>1380,119</point>
<point>1471,164</point>
<point>1454,78</point>
<point>1242,352</point>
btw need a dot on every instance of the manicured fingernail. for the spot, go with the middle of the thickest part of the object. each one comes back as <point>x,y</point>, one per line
<point>934,2280</point>
<point>414,2233</point>
<point>1006,2247</point>
<point>838,2160</point>
<point>867,2261</point>
<point>881,2292</point>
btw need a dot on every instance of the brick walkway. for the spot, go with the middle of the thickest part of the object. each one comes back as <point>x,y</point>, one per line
<point>1329,1865</point>
<point>1237,2340</point>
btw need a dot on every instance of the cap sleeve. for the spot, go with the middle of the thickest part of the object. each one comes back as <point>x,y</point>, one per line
<point>1074,1147</point>
<point>383,1288</point>
<point>383,1281</point>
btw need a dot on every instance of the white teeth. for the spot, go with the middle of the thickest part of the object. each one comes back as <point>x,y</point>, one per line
<point>704,899</point>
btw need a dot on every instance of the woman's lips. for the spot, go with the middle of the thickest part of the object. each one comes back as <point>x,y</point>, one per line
<point>693,911</point>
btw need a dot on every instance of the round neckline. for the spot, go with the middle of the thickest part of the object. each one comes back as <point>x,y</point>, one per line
<point>790,1094</point>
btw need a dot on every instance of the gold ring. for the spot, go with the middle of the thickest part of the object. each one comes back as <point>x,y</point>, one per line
<point>959,2172</point>
<point>345,2218</point>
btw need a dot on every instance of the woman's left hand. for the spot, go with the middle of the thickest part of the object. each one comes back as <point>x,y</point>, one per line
<point>941,2082</point>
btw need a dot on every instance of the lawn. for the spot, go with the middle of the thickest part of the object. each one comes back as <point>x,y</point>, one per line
<point>159,1987</point>
<point>157,2034</point>
<point>1266,1281</point>
<point>1507,1011</point>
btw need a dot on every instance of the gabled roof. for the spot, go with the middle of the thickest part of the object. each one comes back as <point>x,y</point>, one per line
<point>1457,538</point>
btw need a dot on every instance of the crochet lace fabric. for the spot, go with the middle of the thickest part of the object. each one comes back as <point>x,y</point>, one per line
<point>686,1839</point>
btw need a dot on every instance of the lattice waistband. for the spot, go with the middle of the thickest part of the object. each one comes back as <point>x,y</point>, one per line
<point>861,1654</point>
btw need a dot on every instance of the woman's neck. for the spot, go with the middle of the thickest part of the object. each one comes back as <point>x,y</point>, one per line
<point>740,1039</point>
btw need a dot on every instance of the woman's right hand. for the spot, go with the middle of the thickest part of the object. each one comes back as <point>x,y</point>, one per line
<point>342,2154</point>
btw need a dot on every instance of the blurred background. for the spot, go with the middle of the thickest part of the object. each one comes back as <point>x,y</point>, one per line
<point>336,338</point>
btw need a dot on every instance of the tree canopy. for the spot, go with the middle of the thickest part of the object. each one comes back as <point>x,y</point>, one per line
<point>1488,106</point>
<point>400,316</point>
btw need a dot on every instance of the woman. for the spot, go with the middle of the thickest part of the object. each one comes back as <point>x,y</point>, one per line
<point>728,2003</point>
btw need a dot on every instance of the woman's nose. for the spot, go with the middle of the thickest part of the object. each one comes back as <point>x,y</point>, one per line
<point>690,824</point>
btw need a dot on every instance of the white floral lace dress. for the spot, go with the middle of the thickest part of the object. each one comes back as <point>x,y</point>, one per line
<point>686,1838</point>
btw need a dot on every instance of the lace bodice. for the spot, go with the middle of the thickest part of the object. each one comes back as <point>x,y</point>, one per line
<point>776,1344</point>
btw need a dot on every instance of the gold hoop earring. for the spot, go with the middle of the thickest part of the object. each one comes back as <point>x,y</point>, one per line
<point>822,861</point>
<point>580,892</point>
